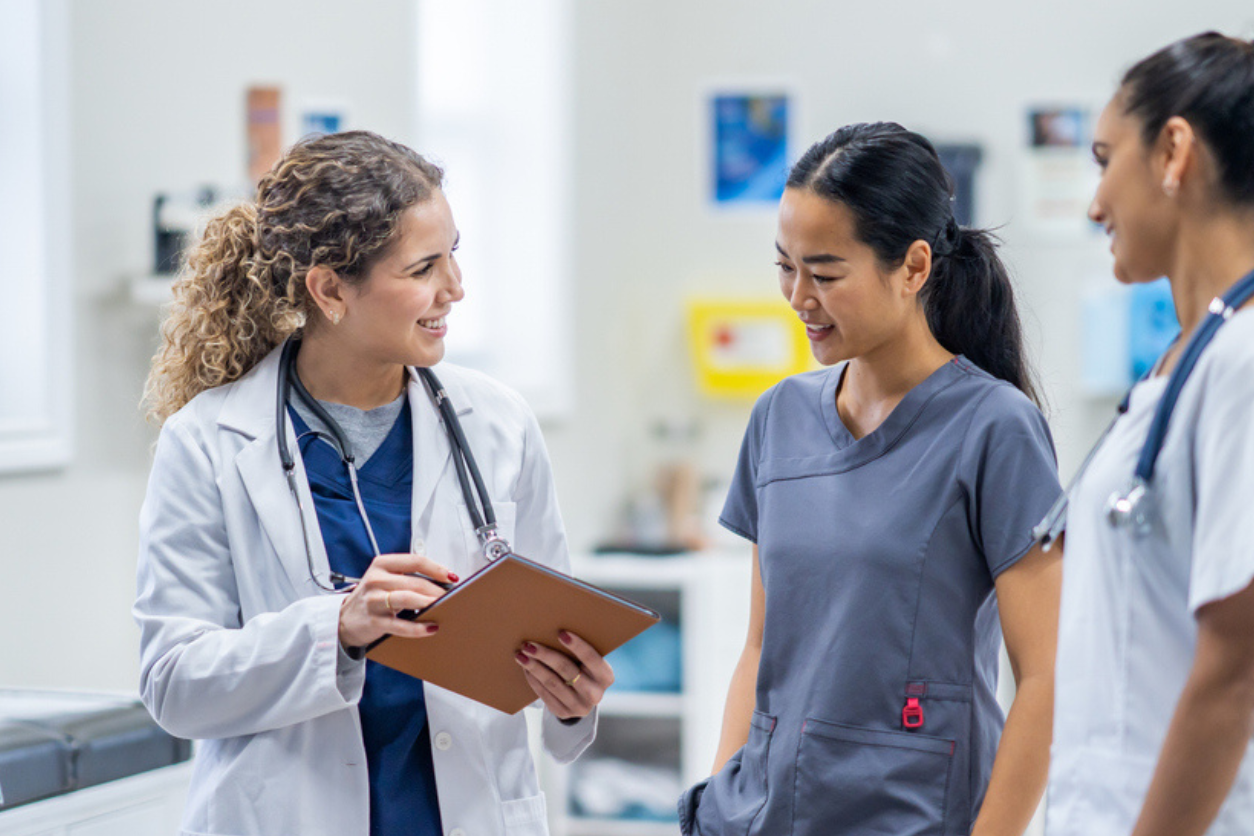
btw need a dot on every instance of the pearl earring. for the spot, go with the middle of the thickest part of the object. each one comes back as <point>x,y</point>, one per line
<point>334,316</point>
<point>1170,186</point>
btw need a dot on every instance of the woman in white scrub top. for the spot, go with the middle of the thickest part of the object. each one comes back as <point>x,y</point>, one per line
<point>1155,680</point>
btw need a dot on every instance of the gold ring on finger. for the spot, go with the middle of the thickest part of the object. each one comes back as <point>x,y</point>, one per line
<point>387,602</point>
<point>571,682</point>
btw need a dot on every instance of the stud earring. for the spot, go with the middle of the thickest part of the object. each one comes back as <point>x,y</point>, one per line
<point>1170,186</point>
<point>334,316</point>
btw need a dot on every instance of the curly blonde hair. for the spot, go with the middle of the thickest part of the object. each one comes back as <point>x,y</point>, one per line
<point>333,201</point>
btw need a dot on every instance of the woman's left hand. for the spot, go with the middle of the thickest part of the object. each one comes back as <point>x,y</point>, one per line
<point>569,687</point>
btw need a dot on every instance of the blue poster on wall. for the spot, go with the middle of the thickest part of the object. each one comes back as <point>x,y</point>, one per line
<point>1152,325</point>
<point>1124,330</point>
<point>750,145</point>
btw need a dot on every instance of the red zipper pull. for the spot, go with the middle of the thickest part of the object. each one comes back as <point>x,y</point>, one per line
<point>912,714</point>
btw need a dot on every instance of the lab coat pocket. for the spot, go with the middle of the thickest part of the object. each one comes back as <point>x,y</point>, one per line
<point>525,816</point>
<point>870,781</point>
<point>732,800</point>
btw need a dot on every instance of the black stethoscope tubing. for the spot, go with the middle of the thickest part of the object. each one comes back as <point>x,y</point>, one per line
<point>478,502</point>
<point>1127,507</point>
<point>463,461</point>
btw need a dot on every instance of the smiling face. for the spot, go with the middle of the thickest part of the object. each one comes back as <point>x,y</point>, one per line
<point>396,316</point>
<point>849,303</point>
<point>1130,202</point>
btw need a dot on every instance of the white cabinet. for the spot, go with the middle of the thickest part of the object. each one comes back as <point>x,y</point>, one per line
<point>658,741</point>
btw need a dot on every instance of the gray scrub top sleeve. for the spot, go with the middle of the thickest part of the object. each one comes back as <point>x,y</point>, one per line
<point>740,511</point>
<point>1008,467</point>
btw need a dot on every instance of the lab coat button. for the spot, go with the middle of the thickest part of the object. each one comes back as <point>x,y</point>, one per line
<point>444,742</point>
<point>457,831</point>
<point>419,548</point>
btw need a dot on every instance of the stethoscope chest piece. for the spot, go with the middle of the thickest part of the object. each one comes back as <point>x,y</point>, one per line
<point>491,543</point>
<point>1132,508</point>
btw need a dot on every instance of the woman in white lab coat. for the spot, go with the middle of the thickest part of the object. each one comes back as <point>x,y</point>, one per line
<point>246,643</point>
<point>1154,705</point>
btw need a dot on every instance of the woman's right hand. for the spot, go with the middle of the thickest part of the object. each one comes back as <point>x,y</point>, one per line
<point>389,586</point>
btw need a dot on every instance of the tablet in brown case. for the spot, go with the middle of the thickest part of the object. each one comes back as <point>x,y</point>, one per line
<point>484,621</point>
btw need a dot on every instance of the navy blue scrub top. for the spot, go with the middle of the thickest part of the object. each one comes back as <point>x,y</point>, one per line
<point>876,708</point>
<point>393,711</point>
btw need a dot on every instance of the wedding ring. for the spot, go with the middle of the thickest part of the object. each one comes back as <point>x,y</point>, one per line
<point>571,682</point>
<point>387,602</point>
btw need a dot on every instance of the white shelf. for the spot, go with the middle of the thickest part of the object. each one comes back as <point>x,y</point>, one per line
<point>708,594</point>
<point>636,572</point>
<point>580,826</point>
<point>642,704</point>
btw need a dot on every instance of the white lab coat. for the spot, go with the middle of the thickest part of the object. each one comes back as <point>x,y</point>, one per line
<point>240,649</point>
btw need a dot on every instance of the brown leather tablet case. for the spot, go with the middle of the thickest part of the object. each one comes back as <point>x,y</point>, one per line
<point>484,621</point>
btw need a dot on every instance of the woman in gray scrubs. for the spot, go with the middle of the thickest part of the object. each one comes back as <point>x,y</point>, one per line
<point>889,496</point>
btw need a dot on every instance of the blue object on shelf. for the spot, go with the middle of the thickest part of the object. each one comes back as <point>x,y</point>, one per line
<point>651,661</point>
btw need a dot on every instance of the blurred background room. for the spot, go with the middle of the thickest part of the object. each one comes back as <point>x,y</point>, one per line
<point>614,169</point>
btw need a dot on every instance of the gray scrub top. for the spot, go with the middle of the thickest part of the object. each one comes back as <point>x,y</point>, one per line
<point>878,557</point>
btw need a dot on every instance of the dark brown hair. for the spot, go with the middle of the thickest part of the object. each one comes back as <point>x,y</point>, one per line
<point>1208,80</point>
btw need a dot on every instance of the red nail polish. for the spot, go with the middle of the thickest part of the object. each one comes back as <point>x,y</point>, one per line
<point>431,628</point>
<point>564,636</point>
<point>520,657</point>
<point>529,647</point>
<point>452,576</point>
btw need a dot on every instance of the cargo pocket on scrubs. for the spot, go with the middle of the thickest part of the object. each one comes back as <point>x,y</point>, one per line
<point>870,781</point>
<point>730,802</point>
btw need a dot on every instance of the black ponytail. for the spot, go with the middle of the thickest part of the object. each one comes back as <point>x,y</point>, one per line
<point>970,308</point>
<point>893,182</point>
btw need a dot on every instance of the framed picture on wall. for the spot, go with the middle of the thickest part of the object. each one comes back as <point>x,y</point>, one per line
<point>1058,174</point>
<point>749,135</point>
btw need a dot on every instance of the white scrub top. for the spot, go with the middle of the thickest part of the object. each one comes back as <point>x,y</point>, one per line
<point>1129,600</point>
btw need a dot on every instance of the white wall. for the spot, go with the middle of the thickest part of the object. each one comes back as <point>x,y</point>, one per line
<point>157,102</point>
<point>157,98</point>
<point>643,240</point>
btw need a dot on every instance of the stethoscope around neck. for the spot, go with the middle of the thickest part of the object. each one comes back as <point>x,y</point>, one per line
<point>1133,507</point>
<point>474,492</point>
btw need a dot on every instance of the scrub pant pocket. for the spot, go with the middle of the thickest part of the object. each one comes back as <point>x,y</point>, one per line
<point>728,803</point>
<point>856,780</point>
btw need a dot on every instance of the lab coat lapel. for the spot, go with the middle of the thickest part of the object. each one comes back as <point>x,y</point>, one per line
<point>250,410</point>
<point>263,477</point>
